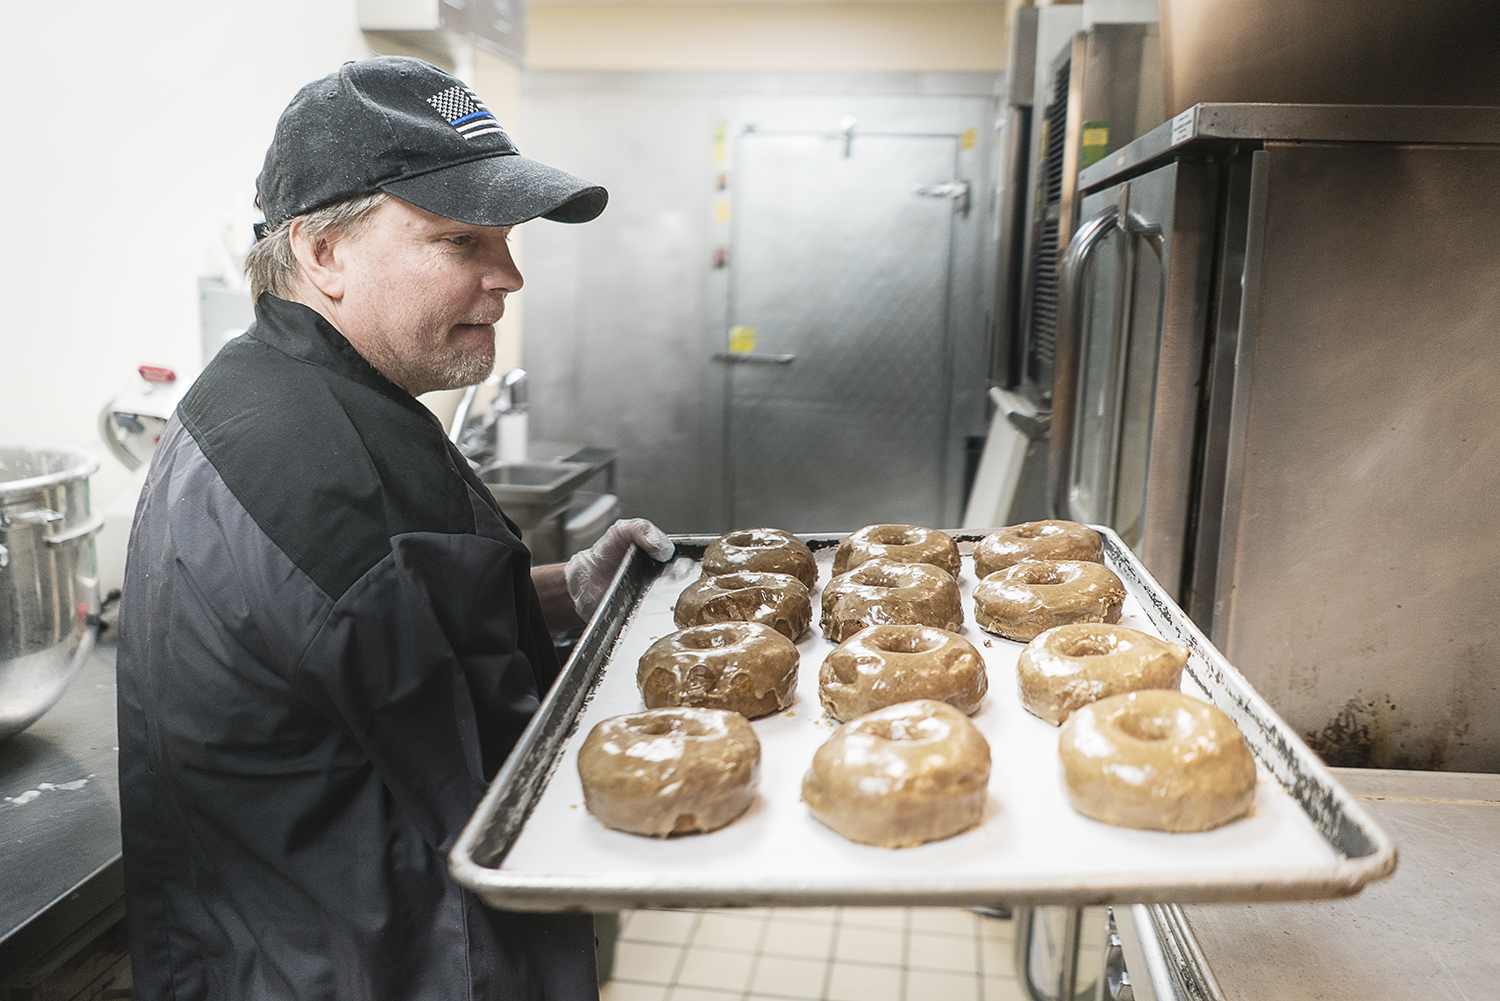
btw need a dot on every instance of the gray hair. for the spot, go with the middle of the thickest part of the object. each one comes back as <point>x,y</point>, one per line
<point>271,265</point>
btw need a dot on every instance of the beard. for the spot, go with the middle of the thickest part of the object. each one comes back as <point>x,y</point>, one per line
<point>457,367</point>
<point>428,367</point>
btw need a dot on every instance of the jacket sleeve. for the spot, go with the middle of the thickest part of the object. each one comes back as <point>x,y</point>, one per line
<point>424,661</point>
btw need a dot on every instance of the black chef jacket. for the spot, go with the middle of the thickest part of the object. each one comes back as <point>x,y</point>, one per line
<point>329,642</point>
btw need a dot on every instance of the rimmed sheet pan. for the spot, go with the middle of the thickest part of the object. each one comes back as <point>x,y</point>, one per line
<point>531,845</point>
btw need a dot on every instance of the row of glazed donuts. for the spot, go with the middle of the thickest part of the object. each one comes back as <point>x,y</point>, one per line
<point>654,772</point>
<point>932,663</point>
<point>883,574</point>
<point>1033,576</point>
<point>897,777</point>
<point>1136,752</point>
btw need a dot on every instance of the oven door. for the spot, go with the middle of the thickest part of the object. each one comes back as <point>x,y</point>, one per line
<point>1115,278</point>
<point>1130,344</point>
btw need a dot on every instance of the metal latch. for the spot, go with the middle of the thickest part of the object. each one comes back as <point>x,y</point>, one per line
<point>747,358</point>
<point>956,190</point>
<point>37,516</point>
<point>1034,428</point>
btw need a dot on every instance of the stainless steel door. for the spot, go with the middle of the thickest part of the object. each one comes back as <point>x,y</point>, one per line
<point>1127,392</point>
<point>839,373</point>
<point>1117,379</point>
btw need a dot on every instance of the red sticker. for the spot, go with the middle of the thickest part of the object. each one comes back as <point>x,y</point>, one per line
<point>156,373</point>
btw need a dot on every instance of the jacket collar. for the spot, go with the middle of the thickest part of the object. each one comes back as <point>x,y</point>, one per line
<point>303,333</point>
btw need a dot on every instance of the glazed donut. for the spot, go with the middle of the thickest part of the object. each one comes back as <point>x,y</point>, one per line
<point>1029,598</point>
<point>899,544</point>
<point>1069,666</point>
<point>779,601</point>
<point>1156,760</point>
<point>768,550</point>
<point>880,666</point>
<point>880,592</point>
<point>1036,540</point>
<point>669,771</point>
<point>744,667</point>
<point>901,776</point>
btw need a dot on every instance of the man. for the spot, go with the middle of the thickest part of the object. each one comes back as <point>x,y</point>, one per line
<point>331,637</point>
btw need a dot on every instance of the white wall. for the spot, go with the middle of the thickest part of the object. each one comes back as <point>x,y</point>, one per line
<point>750,35</point>
<point>129,145</point>
<point>132,136</point>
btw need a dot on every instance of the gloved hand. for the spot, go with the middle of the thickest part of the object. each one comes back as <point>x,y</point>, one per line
<point>588,573</point>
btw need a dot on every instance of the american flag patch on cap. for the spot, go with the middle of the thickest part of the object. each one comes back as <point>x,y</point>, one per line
<point>465,112</point>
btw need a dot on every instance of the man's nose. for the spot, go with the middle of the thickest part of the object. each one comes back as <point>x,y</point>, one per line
<point>501,274</point>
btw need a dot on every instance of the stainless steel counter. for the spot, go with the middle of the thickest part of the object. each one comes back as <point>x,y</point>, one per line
<point>60,819</point>
<point>1428,932</point>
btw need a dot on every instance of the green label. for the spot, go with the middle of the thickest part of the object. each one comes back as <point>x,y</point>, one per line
<point>1095,143</point>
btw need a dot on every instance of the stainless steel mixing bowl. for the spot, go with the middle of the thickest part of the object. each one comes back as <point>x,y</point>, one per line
<point>49,588</point>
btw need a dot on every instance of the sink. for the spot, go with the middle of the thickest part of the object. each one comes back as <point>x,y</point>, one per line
<point>539,484</point>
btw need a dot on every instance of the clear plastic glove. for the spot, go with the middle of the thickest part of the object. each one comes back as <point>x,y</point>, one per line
<point>588,573</point>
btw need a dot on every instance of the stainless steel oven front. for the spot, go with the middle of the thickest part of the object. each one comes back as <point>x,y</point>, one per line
<point>1129,355</point>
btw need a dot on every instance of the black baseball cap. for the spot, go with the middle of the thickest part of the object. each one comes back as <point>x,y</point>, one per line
<point>404,126</point>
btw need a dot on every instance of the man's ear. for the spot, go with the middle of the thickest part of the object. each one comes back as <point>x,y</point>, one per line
<point>317,261</point>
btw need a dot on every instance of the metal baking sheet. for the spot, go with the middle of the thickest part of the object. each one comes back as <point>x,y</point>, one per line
<point>532,845</point>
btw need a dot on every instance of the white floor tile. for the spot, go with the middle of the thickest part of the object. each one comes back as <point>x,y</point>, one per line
<point>929,985</point>
<point>790,978</point>
<point>806,915</point>
<point>1090,964</point>
<point>994,928</point>
<point>666,927</point>
<point>943,920</point>
<point>864,983</point>
<point>730,930</point>
<point>948,953</point>
<point>645,962</point>
<point>1002,989</point>
<point>869,945</point>
<point>791,938</point>
<point>616,991</point>
<point>729,971</point>
<point>700,994</point>
<point>873,917</point>
<point>997,957</point>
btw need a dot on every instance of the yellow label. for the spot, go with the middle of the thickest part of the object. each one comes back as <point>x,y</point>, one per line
<point>721,210</point>
<point>741,340</point>
<point>1096,137</point>
<point>966,141</point>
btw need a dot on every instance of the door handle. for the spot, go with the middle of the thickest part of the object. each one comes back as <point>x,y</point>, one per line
<point>1069,336</point>
<point>1074,258</point>
<point>1147,231</point>
<point>956,190</point>
<point>750,358</point>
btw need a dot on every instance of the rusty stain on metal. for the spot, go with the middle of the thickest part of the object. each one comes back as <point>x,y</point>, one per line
<point>1372,733</point>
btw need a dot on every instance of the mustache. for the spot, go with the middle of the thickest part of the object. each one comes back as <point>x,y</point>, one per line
<point>488,319</point>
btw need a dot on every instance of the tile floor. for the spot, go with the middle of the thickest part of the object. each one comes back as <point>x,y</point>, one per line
<point>836,954</point>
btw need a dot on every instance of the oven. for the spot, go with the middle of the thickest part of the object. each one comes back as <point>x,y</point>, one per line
<point>1275,328</point>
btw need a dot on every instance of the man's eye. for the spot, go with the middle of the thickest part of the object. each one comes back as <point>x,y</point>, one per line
<point>460,241</point>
